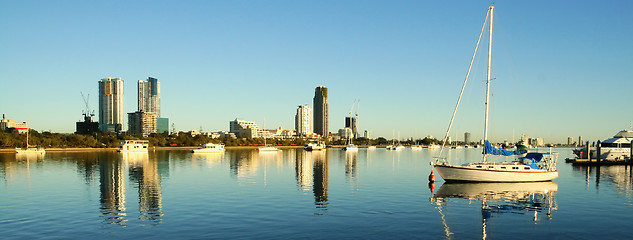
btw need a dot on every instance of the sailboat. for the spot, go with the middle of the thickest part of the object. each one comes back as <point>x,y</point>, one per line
<point>528,167</point>
<point>267,147</point>
<point>28,148</point>
<point>350,146</point>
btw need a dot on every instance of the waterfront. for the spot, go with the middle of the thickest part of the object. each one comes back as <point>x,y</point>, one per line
<point>371,194</point>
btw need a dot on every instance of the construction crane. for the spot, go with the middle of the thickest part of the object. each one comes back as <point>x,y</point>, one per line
<point>86,112</point>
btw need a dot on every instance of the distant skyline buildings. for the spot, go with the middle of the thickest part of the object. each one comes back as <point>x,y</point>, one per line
<point>321,111</point>
<point>149,96</point>
<point>111,114</point>
<point>145,120</point>
<point>303,120</point>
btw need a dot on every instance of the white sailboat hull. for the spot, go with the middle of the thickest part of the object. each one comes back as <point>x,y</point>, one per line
<point>470,174</point>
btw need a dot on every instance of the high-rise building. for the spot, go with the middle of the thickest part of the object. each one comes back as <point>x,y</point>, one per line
<point>321,111</point>
<point>111,114</point>
<point>141,123</point>
<point>352,123</point>
<point>466,137</point>
<point>149,96</point>
<point>303,120</point>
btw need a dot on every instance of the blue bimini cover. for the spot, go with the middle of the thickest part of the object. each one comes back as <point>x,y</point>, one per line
<point>489,149</point>
<point>535,157</point>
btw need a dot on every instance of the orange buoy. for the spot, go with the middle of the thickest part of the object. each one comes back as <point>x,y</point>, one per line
<point>432,177</point>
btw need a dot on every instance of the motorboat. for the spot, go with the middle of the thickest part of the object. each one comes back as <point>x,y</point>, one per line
<point>617,148</point>
<point>134,146</point>
<point>209,148</point>
<point>312,146</point>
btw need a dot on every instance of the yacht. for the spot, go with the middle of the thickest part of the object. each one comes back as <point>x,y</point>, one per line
<point>209,148</point>
<point>617,148</point>
<point>314,146</point>
<point>350,147</point>
<point>134,146</point>
<point>268,148</point>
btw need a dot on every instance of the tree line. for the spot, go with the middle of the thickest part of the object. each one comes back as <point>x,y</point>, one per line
<point>181,139</point>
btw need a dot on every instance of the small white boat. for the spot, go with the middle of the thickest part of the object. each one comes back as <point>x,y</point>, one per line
<point>350,147</point>
<point>434,146</point>
<point>37,150</point>
<point>416,147</point>
<point>134,146</point>
<point>390,147</point>
<point>399,147</point>
<point>371,147</point>
<point>29,149</point>
<point>312,146</point>
<point>267,148</point>
<point>209,148</point>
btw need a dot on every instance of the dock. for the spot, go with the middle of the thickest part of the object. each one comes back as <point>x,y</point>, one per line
<point>597,162</point>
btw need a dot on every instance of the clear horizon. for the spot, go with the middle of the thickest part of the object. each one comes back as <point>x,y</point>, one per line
<point>561,69</point>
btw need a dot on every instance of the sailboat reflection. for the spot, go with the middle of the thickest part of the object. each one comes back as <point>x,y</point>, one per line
<point>499,198</point>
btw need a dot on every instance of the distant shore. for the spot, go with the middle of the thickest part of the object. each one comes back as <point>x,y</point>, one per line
<point>10,150</point>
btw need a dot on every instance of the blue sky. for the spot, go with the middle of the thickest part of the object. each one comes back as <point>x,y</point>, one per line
<point>561,68</point>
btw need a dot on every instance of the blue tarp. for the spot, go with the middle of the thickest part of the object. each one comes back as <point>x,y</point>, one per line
<point>489,149</point>
<point>535,157</point>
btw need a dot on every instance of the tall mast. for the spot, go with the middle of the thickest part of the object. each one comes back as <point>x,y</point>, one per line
<point>491,9</point>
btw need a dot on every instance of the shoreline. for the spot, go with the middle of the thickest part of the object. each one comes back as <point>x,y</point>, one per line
<point>12,150</point>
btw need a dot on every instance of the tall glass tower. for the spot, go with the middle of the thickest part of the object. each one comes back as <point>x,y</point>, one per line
<point>149,96</point>
<point>111,112</point>
<point>321,111</point>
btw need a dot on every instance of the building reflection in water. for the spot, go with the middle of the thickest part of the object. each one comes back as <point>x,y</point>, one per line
<point>312,172</point>
<point>351,165</point>
<point>321,178</point>
<point>620,176</point>
<point>244,165</point>
<point>144,174</point>
<point>303,169</point>
<point>112,189</point>
<point>497,198</point>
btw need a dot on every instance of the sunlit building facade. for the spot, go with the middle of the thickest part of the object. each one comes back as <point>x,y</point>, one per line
<point>303,120</point>
<point>111,114</point>
<point>149,96</point>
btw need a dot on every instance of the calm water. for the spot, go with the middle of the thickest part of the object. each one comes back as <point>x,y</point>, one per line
<point>243,194</point>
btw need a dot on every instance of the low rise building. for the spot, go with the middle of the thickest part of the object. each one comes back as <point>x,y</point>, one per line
<point>243,129</point>
<point>9,125</point>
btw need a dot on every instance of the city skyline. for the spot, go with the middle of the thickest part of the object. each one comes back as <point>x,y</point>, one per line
<point>559,67</point>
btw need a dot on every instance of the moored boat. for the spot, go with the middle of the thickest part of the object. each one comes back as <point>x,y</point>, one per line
<point>312,146</point>
<point>209,148</point>
<point>134,146</point>
<point>528,167</point>
<point>617,148</point>
<point>30,149</point>
<point>267,148</point>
